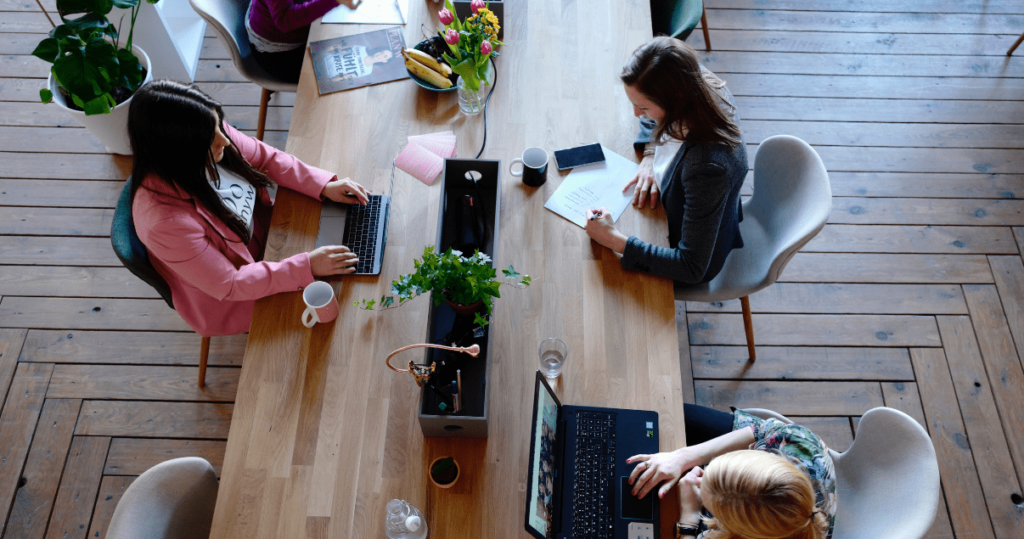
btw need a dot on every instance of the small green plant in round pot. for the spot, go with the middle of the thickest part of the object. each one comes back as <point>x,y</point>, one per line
<point>444,472</point>
<point>470,284</point>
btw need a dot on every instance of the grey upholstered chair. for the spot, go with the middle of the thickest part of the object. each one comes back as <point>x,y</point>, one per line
<point>172,500</point>
<point>887,482</point>
<point>133,254</point>
<point>678,18</point>
<point>228,18</point>
<point>791,202</point>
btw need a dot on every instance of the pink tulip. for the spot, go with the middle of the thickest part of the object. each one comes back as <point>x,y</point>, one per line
<point>451,36</point>
<point>486,48</point>
<point>477,5</point>
<point>445,16</point>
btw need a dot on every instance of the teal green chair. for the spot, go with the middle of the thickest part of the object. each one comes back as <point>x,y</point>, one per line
<point>133,254</point>
<point>677,18</point>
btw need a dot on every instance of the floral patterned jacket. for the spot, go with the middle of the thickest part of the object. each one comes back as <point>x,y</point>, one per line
<point>800,443</point>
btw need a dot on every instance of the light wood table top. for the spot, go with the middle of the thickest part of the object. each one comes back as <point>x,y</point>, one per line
<point>323,434</point>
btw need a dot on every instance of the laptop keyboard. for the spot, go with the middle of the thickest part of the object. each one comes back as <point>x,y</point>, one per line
<point>594,480</point>
<point>361,236</point>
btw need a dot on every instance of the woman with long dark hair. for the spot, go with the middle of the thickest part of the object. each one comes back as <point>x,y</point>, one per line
<point>201,208</point>
<point>694,163</point>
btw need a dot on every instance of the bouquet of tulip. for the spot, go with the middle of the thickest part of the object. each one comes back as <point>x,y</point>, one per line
<point>470,42</point>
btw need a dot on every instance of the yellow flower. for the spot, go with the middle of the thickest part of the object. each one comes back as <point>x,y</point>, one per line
<point>492,19</point>
<point>483,12</point>
<point>471,18</point>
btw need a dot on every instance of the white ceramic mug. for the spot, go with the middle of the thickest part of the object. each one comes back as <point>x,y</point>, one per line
<point>320,304</point>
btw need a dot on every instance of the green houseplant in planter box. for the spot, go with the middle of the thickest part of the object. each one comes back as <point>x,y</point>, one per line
<point>469,284</point>
<point>93,77</point>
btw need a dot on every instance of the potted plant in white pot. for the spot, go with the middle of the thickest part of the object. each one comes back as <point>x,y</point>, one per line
<point>93,77</point>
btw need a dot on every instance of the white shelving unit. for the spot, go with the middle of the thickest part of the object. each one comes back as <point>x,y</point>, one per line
<point>171,33</point>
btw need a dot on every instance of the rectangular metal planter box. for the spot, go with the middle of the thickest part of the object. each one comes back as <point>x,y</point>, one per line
<point>443,327</point>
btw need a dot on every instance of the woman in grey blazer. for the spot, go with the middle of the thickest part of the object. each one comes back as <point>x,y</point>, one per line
<point>694,162</point>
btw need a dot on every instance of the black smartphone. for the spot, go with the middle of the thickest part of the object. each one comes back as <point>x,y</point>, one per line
<point>579,156</point>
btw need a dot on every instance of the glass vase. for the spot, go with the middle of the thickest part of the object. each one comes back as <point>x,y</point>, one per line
<point>472,103</point>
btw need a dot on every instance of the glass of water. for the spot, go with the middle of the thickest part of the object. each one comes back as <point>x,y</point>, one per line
<point>553,353</point>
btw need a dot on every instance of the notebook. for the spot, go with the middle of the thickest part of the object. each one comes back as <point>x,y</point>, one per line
<point>578,480</point>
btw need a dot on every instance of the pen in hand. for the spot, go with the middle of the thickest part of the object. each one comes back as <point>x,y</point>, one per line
<point>597,215</point>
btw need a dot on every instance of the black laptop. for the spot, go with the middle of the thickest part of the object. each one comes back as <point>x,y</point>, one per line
<point>578,482</point>
<point>363,229</point>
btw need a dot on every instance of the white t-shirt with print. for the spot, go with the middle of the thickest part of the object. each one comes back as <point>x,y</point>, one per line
<point>237,195</point>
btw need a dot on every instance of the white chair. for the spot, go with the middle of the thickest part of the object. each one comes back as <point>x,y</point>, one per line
<point>887,482</point>
<point>791,202</point>
<point>228,18</point>
<point>172,500</point>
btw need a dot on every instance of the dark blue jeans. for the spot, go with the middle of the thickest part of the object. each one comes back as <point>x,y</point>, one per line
<point>703,424</point>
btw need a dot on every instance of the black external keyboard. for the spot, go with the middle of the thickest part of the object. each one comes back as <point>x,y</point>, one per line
<point>361,236</point>
<point>594,479</point>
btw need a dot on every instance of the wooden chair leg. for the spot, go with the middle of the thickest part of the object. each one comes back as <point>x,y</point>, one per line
<point>264,100</point>
<point>1015,45</point>
<point>704,26</point>
<point>748,325</point>
<point>204,354</point>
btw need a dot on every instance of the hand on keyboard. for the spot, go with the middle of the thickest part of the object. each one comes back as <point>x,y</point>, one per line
<point>346,191</point>
<point>332,260</point>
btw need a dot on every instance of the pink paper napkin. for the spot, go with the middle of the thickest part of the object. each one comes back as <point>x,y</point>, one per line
<point>424,157</point>
<point>442,147</point>
<point>421,163</point>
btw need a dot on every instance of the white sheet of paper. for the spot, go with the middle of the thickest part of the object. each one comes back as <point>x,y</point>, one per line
<point>594,186</point>
<point>370,12</point>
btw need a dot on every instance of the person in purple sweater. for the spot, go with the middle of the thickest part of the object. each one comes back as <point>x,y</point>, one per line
<point>278,30</point>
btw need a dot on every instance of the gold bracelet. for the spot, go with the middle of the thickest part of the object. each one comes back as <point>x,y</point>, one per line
<point>648,152</point>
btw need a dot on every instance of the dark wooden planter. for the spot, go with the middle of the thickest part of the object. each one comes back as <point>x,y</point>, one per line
<point>447,326</point>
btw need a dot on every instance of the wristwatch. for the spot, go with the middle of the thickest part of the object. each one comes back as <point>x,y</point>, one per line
<point>686,530</point>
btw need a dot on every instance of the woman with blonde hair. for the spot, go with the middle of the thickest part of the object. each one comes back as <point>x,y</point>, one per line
<point>763,479</point>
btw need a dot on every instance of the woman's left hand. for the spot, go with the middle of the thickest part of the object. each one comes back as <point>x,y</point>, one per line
<point>601,229</point>
<point>689,496</point>
<point>346,191</point>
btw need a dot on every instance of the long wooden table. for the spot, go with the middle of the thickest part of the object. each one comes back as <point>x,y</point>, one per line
<point>323,434</point>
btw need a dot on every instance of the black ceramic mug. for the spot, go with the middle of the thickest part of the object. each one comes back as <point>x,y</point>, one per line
<point>534,167</point>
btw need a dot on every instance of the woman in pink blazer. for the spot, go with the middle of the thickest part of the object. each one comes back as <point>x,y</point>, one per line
<point>201,208</point>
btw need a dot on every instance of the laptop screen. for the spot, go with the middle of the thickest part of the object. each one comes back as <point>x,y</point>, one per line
<point>539,506</point>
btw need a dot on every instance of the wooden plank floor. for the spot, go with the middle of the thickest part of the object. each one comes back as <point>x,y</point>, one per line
<point>911,297</point>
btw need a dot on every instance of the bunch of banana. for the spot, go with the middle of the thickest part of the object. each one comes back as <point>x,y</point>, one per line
<point>427,68</point>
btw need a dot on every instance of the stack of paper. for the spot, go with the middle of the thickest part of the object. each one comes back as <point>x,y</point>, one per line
<point>593,187</point>
<point>368,12</point>
<point>424,157</point>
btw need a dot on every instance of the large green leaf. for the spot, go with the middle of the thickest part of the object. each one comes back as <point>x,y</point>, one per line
<point>88,23</point>
<point>61,32</point>
<point>131,72</point>
<point>47,50</point>
<point>101,105</point>
<point>127,4</point>
<point>99,7</point>
<point>84,79</point>
<point>467,70</point>
<point>103,56</point>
